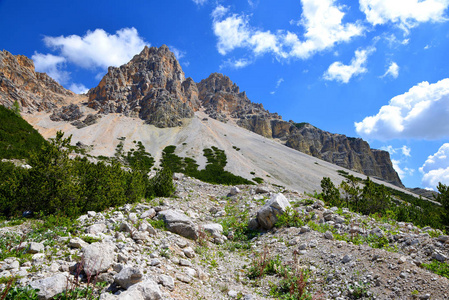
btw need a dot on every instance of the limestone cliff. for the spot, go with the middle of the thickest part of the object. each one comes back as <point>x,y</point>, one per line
<point>351,153</point>
<point>32,90</point>
<point>151,86</point>
<point>222,100</point>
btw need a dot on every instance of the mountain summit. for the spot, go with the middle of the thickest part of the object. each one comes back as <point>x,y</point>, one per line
<point>153,87</point>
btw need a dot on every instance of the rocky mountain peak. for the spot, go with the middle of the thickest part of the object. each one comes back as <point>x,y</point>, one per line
<point>32,90</point>
<point>222,100</point>
<point>151,86</point>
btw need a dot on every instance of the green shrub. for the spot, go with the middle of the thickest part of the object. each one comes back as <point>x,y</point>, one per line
<point>440,268</point>
<point>161,185</point>
<point>17,138</point>
<point>213,172</point>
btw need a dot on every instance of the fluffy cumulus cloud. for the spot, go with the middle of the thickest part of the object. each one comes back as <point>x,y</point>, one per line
<point>339,72</point>
<point>422,112</point>
<point>436,168</point>
<point>98,49</point>
<point>52,65</point>
<point>78,88</point>
<point>322,21</point>
<point>393,70</point>
<point>405,13</point>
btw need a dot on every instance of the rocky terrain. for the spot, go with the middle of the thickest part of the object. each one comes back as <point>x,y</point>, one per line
<point>191,247</point>
<point>151,86</point>
<point>32,90</point>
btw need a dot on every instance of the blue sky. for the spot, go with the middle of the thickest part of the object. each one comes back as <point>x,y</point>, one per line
<point>375,69</point>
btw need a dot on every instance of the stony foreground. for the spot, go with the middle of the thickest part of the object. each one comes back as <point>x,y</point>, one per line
<point>194,257</point>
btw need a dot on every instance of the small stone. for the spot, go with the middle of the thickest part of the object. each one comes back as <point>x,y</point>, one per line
<point>128,276</point>
<point>304,229</point>
<point>77,243</point>
<point>302,246</point>
<point>328,235</point>
<point>234,191</point>
<point>148,214</point>
<point>347,258</point>
<point>155,262</point>
<point>34,248</point>
<point>185,262</point>
<point>166,281</point>
<point>189,252</point>
<point>184,278</point>
<point>233,294</point>
<point>402,260</point>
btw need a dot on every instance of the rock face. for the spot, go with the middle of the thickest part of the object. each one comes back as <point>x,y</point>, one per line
<point>223,100</point>
<point>151,86</point>
<point>351,153</point>
<point>32,90</point>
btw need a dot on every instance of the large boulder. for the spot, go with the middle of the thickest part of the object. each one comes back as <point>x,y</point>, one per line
<point>214,229</point>
<point>267,216</point>
<point>179,223</point>
<point>51,286</point>
<point>128,276</point>
<point>98,257</point>
<point>144,290</point>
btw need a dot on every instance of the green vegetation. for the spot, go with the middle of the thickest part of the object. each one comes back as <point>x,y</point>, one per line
<point>294,282</point>
<point>60,186</point>
<point>369,198</point>
<point>213,172</point>
<point>258,180</point>
<point>17,138</point>
<point>235,223</point>
<point>440,268</point>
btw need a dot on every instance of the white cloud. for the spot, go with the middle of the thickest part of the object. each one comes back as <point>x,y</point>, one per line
<point>339,72</point>
<point>422,112</point>
<point>232,32</point>
<point>393,70</point>
<point>178,53</point>
<point>278,83</point>
<point>404,150</point>
<point>52,65</point>
<point>78,88</point>
<point>98,48</point>
<point>321,20</point>
<point>236,64</point>
<point>404,13</point>
<point>402,172</point>
<point>436,168</point>
<point>199,2</point>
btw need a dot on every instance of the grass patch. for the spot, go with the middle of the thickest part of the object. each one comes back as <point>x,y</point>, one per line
<point>440,268</point>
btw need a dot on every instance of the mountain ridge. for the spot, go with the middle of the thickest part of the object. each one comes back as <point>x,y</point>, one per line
<point>153,87</point>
